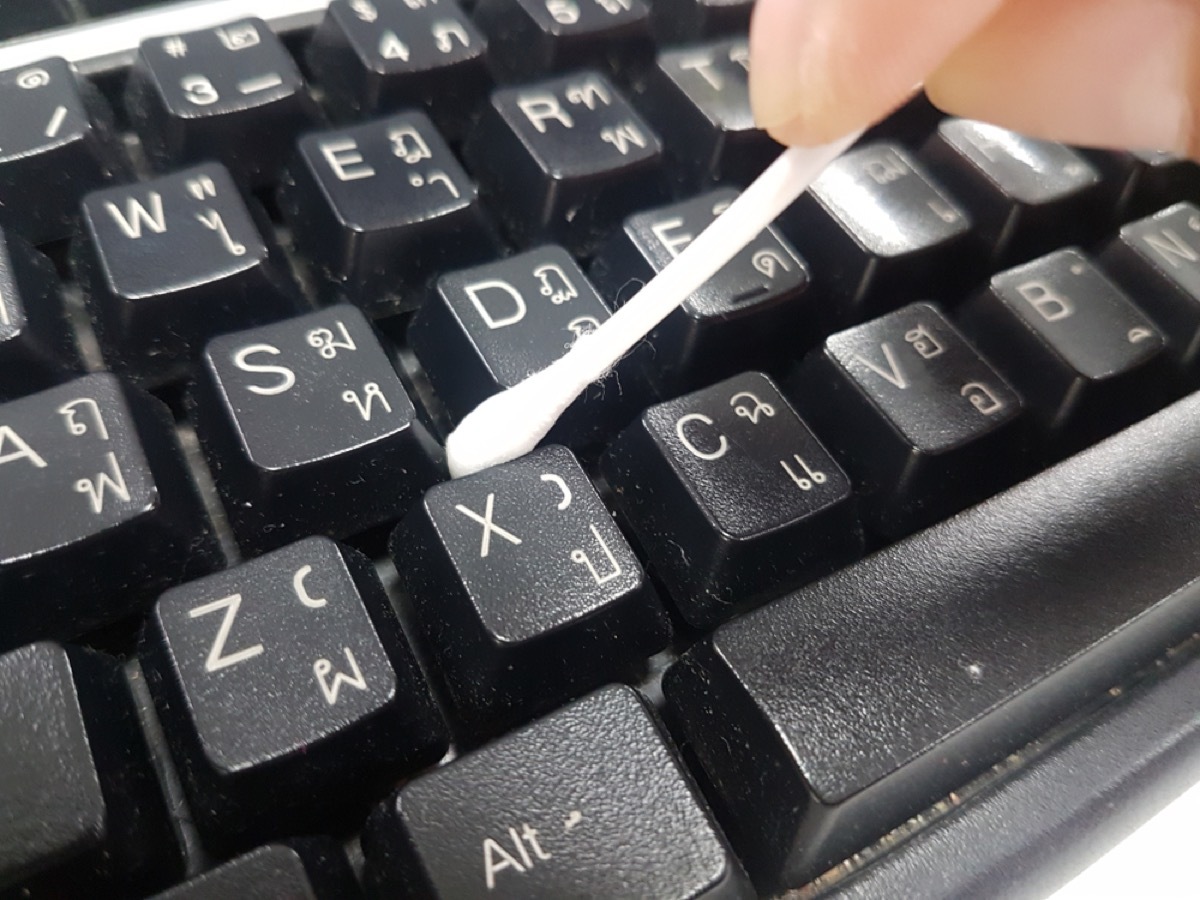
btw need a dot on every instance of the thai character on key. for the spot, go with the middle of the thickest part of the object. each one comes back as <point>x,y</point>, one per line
<point>770,263</point>
<point>923,341</point>
<point>983,398</point>
<point>612,7</point>
<point>76,427</point>
<point>555,284</point>
<point>580,557</point>
<point>748,406</point>
<point>327,344</point>
<point>434,178</point>
<point>401,139</point>
<point>584,325</point>
<point>564,12</point>
<point>886,169</point>
<point>444,31</point>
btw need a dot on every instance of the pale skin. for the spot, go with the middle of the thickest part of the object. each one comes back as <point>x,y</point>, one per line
<point>1105,73</point>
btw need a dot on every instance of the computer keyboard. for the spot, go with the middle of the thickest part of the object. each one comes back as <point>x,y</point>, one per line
<point>872,572</point>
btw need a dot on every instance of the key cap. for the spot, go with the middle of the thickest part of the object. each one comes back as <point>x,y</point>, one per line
<point>312,868</point>
<point>884,231</point>
<point>732,497</point>
<point>689,20</point>
<point>56,144</point>
<point>524,588</point>
<point>80,811</point>
<point>1086,360</point>
<point>759,309</point>
<point>488,328</point>
<point>560,808</point>
<point>1026,197</point>
<point>168,263</point>
<point>528,38</point>
<point>836,714</point>
<point>100,513</point>
<point>699,98</point>
<point>1147,181</point>
<point>922,422</point>
<point>230,94</point>
<point>565,160</point>
<point>37,348</point>
<point>287,692</point>
<point>18,19</point>
<point>381,208</point>
<point>1157,261</point>
<point>382,56</point>
<point>305,423</point>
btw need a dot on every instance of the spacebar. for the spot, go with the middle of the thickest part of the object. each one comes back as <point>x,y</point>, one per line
<point>833,715</point>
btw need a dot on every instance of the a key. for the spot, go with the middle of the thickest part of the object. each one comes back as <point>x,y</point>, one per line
<point>381,208</point>
<point>525,589</point>
<point>528,38</point>
<point>1157,261</point>
<point>56,144</point>
<point>309,430</point>
<point>231,94</point>
<point>168,263</point>
<point>1026,197</point>
<point>884,231</point>
<point>690,20</point>
<point>1084,358</point>
<point>699,98</point>
<point>487,328</point>
<point>1145,181</point>
<point>287,692</point>
<point>920,420</point>
<point>312,868</point>
<point>590,801</point>
<point>565,160</point>
<point>759,310</point>
<point>80,812</point>
<point>836,714</point>
<point>381,56</point>
<point>99,511</point>
<point>732,496</point>
<point>37,348</point>
<point>18,19</point>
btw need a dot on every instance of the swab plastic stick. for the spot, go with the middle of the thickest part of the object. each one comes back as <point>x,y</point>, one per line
<point>513,422</point>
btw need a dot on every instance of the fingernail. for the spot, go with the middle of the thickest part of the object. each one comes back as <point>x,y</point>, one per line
<point>783,34</point>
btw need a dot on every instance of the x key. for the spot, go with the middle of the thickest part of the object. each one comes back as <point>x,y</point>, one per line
<point>489,526</point>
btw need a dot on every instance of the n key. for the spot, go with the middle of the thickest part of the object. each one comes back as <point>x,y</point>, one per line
<point>283,680</point>
<point>98,511</point>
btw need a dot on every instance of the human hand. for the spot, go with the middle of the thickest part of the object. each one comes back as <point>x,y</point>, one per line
<point>1116,73</point>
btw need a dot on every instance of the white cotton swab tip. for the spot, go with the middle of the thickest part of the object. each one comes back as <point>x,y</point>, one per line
<point>513,422</point>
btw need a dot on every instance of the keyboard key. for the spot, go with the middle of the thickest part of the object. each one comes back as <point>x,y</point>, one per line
<point>565,160</point>
<point>836,714</point>
<point>1157,261</point>
<point>80,812</point>
<point>590,801</point>
<point>699,98</point>
<point>1146,181</point>
<point>168,263</point>
<point>528,38</point>
<point>287,692</point>
<point>759,309</point>
<point>689,20</point>
<point>1026,197</point>
<point>302,422</point>
<point>56,144</point>
<point>312,868</point>
<point>524,588</point>
<point>381,208</point>
<point>101,513</point>
<point>381,56</point>
<point>884,231</point>
<point>1086,360</point>
<point>488,328</point>
<point>920,420</point>
<point>37,348</point>
<point>732,497</point>
<point>230,94</point>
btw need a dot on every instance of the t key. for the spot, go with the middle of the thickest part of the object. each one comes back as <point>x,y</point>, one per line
<point>565,160</point>
<point>230,94</point>
<point>287,691</point>
<point>732,496</point>
<point>923,423</point>
<point>57,142</point>
<point>168,263</point>
<point>309,430</point>
<point>524,588</point>
<point>98,510</point>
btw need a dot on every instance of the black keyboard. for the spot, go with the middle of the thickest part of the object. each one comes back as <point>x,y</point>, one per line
<point>872,572</point>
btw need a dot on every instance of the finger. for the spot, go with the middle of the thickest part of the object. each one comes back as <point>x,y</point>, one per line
<point>1118,73</point>
<point>823,68</point>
